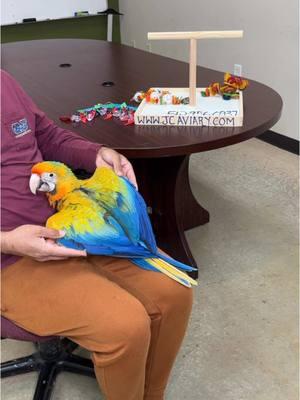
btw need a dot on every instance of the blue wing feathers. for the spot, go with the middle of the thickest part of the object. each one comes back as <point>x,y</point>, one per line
<point>146,231</point>
<point>127,231</point>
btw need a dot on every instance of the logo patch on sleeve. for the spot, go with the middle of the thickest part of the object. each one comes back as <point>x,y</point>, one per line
<point>20,128</point>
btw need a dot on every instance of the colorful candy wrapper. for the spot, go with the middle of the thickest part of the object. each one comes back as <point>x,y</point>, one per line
<point>130,120</point>
<point>107,111</point>
<point>83,118</point>
<point>108,115</point>
<point>235,81</point>
<point>212,90</point>
<point>116,112</point>
<point>166,98</point>
<point>91,115</point>
<point>185,100</point>
<point>65,118</point>
<point>102,111</point>
<point>123,116</point>
<point>153,96</point>
<point>75,118</point>
<point>138,97</point>
<point>229,90</point>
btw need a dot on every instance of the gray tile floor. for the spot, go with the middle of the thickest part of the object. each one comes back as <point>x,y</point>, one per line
<point>242,338</point>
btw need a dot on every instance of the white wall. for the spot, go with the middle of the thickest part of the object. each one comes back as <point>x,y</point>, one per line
<point>268,52</point>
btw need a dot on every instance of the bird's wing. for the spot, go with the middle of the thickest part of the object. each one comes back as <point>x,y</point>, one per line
<point>90,227</point>
<point>124,203</point>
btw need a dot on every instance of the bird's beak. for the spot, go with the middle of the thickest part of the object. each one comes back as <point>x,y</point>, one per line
<point>34,183</point>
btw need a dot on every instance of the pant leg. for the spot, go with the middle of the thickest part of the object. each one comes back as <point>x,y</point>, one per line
<point>71,298</point>
<point>168,304</point>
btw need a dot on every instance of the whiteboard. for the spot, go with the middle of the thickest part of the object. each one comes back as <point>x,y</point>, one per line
<point>14,11</point>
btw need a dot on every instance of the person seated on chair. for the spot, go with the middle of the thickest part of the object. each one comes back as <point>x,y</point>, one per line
<point>132,320</point>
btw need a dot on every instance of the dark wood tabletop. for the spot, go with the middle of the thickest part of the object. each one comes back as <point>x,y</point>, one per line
<point>63,90</point>
<point>160,154</point>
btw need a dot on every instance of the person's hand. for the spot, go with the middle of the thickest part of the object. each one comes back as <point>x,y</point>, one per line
<point>112,159</point>
<point>37,242</point>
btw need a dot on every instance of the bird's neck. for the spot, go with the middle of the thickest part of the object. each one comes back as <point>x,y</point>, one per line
<point>58,197</point>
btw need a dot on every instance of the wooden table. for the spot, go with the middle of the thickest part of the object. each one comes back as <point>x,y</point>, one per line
<point>160,155</point>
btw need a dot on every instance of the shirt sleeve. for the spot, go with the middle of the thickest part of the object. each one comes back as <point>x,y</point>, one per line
<point>56,143</point>
<point>59,144</point>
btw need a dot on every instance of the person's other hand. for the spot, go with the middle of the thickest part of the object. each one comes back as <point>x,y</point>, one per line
<point>37,242</point>
<point>112,159</point>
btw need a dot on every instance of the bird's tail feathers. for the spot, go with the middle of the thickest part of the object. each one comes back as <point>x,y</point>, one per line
<point>176,263</point>
<point>157,264</point>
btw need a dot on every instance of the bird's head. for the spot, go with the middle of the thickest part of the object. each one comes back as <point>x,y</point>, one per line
<point>54,178</point>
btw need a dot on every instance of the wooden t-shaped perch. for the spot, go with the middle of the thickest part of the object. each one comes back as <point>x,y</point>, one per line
<point>193,36</point>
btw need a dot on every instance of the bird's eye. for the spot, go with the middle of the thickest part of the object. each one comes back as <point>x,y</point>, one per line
<point>51,175</point>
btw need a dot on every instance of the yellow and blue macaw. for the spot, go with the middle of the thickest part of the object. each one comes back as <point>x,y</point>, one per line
<point>104,215</point>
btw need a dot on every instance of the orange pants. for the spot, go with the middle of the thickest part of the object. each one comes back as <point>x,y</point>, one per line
<point>132,320</point>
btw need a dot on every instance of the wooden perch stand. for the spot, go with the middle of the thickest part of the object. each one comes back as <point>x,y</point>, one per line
<point>193,37</point>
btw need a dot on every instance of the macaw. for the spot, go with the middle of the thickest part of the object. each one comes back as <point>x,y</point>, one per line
<point>104,215</point>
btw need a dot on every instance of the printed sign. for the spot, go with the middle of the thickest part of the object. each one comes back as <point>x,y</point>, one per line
<point>209,111</point>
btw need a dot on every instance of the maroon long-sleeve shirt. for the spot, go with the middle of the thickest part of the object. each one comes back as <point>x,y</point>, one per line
<point>28,137</point>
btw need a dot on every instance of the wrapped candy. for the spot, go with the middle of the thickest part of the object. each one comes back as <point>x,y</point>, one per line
<point>83,118</point>
<point>176,100</point>
<point>185,100</point>
<point>153,96</point>
<point>116,112</point>
<point>235,81</point>
<point>127,117</point>
<point>65,118</point>
<point>123,116</point>
<point>138,97</point>
<point>108,115</point>
<point>75,118</point>
<point>229,90</point>
<point>212,90</point>
<point>166,98</point>
<point>107,111</point>
<point>91,115</point>
<point>130,120</point>
<point>102,111</point>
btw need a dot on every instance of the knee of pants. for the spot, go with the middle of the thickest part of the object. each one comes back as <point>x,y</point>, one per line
<point>122,333</point>
<point>172,296</point>
<point>134,329</point>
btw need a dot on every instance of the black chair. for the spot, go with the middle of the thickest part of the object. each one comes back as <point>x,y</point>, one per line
<point>53,355</point>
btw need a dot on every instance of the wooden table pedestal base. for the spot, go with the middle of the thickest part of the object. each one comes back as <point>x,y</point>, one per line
<point>164,184</point>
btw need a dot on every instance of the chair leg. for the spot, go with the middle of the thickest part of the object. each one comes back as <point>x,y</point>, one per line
<point>78,365</point>
<point>46,381</point>
<point>19,366</point>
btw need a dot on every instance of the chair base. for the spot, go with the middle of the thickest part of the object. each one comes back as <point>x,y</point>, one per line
<point>52,357</point>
